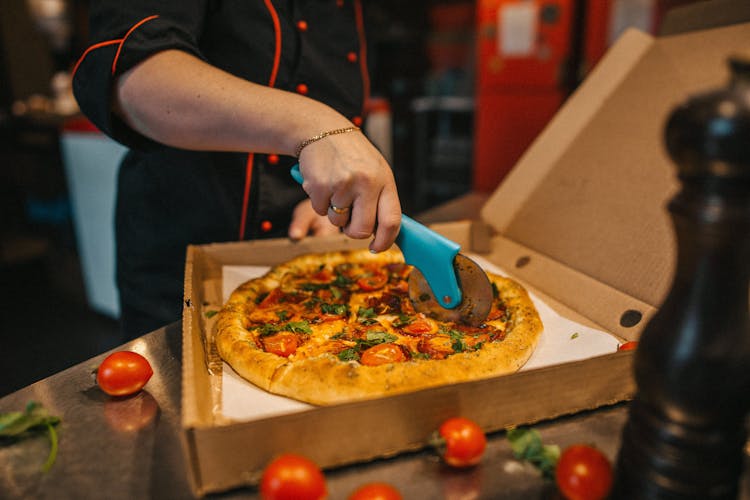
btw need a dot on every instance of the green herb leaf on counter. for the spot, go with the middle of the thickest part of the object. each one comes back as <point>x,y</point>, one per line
<point>34,420</point>
<point>527,445</point>
<point>574,336</point>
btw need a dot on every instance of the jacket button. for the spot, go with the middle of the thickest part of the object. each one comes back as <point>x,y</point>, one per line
<point>302,25</point>
<point>273,159</point>
<point>302,89</point>
<point>266,226</point>
<point>351,57</point>
<point>357,120</point>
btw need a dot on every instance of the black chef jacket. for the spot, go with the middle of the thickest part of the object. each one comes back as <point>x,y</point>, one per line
<point>169,198</point>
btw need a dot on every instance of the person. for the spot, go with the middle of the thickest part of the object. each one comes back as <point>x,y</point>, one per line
<point>215,100</point>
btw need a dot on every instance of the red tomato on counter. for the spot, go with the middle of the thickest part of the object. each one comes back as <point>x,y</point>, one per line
<point>463,442</point>
<point>292,477</point>
<point>627,346</point>
<point>583,473</point>
<point>376,491</point>
<point>123,373</point>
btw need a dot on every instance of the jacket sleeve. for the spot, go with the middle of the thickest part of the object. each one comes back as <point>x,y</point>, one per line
<point>122,35</point>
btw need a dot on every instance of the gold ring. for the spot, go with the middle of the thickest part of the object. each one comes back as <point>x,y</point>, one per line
<point>339,210</point>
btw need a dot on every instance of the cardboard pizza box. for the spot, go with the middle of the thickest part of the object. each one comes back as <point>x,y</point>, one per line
<point>581,221</point>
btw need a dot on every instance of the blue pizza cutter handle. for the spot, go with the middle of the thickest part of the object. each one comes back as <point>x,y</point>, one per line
<point>429,252</point>
<point>433,255</point>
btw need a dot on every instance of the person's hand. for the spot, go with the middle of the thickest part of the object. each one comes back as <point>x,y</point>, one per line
<point>306,222</point>
<point>348,180</point>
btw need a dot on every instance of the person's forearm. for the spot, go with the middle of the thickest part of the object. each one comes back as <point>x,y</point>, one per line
<point>177,99</point>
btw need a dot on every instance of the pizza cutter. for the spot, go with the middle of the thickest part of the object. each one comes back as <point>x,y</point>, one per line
<point>444,284</point>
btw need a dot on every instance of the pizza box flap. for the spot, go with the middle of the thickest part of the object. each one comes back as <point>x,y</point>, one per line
<point>591,192</point>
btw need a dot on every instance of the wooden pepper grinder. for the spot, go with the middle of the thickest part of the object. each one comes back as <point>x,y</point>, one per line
<point>685,433</point>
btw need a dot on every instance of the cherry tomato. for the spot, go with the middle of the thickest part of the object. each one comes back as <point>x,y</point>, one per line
<point>376,491</point>
<point>464,442</point>
<point>375,281</point>
<point>583,473</point>
<point>123,373</point>
<point>627,346</point>
<point>282,344</point>
<point>292,477</point>
<point>420,326</point>
<point>381,354</point>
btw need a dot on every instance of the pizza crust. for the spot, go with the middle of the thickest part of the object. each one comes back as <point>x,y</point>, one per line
<point>324,379</point>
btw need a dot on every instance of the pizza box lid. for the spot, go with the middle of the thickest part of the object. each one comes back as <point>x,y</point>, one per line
<point>581,218</point>
<point>590,193</point>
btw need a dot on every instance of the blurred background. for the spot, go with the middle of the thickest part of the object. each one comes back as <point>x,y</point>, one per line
<point>459,91</point>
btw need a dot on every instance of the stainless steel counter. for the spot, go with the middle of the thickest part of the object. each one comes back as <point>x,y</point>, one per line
<point>130,448</point>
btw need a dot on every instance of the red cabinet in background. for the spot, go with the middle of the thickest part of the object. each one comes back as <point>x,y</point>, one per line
<point>523,49</point>
<point>531,54</point>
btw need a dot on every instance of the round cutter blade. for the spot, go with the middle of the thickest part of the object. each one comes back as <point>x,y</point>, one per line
<point>476,293</point>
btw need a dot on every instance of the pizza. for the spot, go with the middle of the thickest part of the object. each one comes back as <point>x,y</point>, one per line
<point>334,327</point>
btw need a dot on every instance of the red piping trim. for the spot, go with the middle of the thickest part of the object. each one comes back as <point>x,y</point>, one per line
<point>111,42</point>
<point>362,55</point>
<point>246,193</point>
<point>95,46</point>
<point>277,41</point>
<point>135,26</point>
<point>271,83</point>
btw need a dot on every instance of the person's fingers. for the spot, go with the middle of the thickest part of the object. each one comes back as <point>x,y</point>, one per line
<point>302,217</point>
<point>339,212</point>
<point>306,222</point>
<point>318,190</point>
<point>321,226</point>
<point>364,210</point>
<point>389,220</point>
